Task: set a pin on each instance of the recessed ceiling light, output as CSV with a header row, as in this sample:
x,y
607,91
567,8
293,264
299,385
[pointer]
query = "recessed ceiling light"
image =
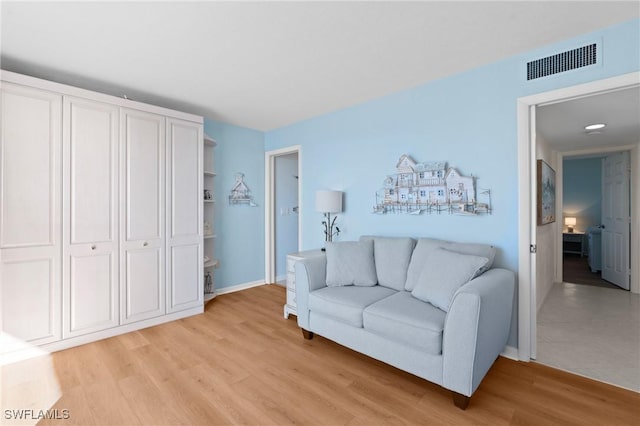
x,y
595,126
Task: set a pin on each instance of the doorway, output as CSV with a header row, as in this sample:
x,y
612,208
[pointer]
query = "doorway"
x,y
285,211
589,201
283,235
585,330
528,251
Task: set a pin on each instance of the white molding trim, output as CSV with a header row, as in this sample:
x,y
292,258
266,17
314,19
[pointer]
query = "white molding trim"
x,y
52,86
240,287
635,218
269,201
510,352
526,185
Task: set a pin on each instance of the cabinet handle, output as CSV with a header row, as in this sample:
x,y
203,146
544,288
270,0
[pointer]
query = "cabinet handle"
x,y
145,244
93,247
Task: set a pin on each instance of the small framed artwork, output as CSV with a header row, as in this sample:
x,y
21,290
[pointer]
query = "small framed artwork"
x,y
546,205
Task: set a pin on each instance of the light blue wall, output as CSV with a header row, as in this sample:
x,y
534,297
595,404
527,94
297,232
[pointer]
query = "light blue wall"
x,y
468,120
286,220
582,191
240,229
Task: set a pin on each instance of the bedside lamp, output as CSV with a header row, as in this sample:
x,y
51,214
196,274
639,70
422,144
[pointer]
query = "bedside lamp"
x,y
570,222
328,202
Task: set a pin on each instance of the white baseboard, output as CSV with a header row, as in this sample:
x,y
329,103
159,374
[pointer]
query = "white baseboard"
x,y
239,287
281,278
30,351
510,352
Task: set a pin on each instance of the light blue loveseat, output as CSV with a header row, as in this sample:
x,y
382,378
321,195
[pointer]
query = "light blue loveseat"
x,y
433,308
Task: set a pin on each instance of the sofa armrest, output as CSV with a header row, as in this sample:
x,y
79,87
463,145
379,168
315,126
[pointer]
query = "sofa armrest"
x,y
476,329
311,274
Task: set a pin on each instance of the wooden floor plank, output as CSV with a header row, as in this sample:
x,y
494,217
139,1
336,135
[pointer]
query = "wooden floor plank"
x,y
242,363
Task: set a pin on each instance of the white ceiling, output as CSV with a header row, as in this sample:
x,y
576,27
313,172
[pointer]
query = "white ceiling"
x,y
562,124
264,65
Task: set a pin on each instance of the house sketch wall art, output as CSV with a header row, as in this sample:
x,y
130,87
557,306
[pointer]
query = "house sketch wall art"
x,y
546,205
430,187
240,193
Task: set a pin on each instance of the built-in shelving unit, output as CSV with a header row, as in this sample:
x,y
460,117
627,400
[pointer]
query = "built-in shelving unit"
x,y
210,262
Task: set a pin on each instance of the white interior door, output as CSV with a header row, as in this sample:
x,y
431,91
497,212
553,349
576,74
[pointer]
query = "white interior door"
x,y
142,242
616,219
30,185
90,212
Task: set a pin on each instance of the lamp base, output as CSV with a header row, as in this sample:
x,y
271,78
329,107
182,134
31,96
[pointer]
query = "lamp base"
x,y
570,230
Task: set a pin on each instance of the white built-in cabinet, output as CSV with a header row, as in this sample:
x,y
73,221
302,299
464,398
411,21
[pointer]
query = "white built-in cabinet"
x,y
101,214
142,234
185,217
30,215
90,256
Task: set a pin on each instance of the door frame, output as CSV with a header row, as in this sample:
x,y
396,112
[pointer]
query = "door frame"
x,y
269,208
526,120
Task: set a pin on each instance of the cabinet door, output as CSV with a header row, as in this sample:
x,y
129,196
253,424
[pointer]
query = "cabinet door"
x,y
30,185
184,215
142,243
90,215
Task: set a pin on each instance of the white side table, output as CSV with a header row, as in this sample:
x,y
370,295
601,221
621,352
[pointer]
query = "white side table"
x,y
291,307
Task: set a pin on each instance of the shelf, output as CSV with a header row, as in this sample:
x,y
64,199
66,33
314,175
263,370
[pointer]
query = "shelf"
x,y
208,208
209,141
211,263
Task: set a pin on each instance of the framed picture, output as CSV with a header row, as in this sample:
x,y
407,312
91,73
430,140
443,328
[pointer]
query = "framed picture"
x,y
546,205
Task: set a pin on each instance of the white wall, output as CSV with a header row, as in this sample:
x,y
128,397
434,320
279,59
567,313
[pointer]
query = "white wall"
x,y
546,235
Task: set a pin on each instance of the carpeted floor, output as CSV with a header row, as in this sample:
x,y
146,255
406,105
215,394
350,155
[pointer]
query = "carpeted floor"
x,y
575,270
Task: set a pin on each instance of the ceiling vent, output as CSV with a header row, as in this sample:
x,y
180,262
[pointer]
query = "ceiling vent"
x,y
565,61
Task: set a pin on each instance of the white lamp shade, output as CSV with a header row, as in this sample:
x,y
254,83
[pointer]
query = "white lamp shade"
x,y
570,221
329,201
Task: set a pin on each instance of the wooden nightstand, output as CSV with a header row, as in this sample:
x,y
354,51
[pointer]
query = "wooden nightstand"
x,y
573,243
291,306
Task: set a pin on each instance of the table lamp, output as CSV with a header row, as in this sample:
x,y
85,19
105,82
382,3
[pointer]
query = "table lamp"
x,y
328,202
570,222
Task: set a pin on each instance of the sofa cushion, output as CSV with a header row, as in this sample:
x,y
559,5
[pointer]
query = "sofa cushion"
x,y
426,246
350,262
392,256
443,274
346,303
405,319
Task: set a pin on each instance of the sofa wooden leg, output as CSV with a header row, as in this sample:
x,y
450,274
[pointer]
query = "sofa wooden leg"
x,y
460,401
307,334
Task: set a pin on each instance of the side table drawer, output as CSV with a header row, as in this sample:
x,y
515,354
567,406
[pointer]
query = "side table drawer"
x,y
291,305
572,238
291,281
291,263
291,298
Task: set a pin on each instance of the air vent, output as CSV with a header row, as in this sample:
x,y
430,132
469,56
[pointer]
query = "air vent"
x,y
565,61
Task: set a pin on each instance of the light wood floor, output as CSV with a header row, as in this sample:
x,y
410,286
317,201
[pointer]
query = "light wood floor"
x,y
242,363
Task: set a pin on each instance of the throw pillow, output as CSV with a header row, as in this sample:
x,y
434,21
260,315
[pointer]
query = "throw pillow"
x,y
443,274
391,256
350,263
426,246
